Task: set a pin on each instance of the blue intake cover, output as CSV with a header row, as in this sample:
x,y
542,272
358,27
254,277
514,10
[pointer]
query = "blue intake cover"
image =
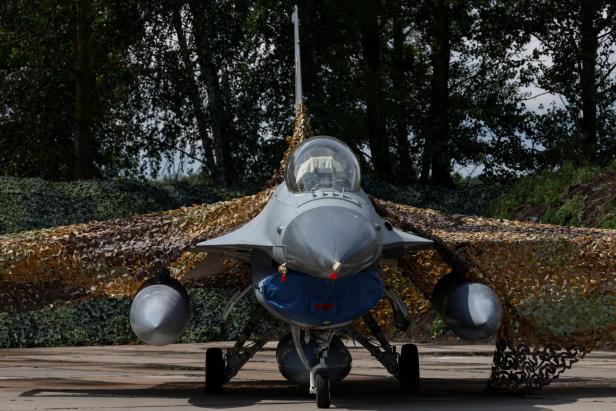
x,y
317,302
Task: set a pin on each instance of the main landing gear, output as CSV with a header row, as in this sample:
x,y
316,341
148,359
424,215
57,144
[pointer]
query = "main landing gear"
x,y
403,365
214,371
220,368
408,364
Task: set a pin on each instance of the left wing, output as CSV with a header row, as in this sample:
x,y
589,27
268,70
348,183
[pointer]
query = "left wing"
x,y
395,238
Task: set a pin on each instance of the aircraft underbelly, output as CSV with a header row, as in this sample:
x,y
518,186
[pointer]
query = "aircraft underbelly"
x,y
313,302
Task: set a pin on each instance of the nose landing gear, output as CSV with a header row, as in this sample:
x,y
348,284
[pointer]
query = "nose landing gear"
x,y
319,374
322,388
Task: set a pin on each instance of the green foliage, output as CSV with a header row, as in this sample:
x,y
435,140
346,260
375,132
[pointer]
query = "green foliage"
x,y
569,213
218,99
470,200
27,204
205,309
544,188
106,321
438,327
563,196
565,315
608,220
37,87
93,322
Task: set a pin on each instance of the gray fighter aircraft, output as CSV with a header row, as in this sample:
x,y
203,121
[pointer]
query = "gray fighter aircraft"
x,y
314,252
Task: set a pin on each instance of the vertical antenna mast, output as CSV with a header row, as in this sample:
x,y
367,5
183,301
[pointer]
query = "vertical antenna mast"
x,y
299,92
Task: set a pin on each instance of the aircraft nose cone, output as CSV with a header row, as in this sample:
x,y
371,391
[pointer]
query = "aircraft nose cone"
x,y
324,238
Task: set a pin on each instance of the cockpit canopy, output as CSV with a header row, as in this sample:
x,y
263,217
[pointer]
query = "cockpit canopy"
x,y
322,163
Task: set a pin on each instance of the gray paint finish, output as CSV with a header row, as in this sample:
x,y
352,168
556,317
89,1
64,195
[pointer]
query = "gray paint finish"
x,y
311,231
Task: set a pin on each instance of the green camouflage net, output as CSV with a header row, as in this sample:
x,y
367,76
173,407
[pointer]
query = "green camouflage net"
x,y
558,284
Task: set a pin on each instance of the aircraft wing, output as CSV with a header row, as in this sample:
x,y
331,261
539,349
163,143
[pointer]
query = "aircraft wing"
x,y
214,263
395,238
236,245
249,237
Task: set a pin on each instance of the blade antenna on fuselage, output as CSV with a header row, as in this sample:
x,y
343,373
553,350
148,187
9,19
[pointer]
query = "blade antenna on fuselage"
x,y
299,92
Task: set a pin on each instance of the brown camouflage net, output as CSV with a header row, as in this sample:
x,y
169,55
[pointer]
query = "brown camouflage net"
x,y
522,370
112,258
558,284
301,131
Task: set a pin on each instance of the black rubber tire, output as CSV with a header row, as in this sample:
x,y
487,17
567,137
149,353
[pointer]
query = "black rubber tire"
x,y
321,381
409,369
214,371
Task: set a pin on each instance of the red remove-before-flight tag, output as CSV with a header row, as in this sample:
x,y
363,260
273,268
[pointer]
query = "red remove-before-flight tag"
x,y
333,276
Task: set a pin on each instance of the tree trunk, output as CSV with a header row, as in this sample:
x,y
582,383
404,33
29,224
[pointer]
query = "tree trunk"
x,y
436,153
209,76
588,81
82,168
406,171
192,88
375,116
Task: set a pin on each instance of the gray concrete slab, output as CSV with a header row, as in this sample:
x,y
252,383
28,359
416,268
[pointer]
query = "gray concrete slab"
x,y
164,378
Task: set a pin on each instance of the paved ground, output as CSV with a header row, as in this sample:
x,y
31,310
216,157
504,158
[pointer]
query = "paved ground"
x,y
139,377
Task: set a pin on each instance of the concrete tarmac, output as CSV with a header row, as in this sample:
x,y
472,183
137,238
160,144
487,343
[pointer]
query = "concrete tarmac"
x,y
171,377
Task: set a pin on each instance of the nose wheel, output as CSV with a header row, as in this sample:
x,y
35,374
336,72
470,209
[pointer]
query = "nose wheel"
x,y
319,374
322,388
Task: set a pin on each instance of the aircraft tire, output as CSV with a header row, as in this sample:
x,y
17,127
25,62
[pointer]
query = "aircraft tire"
x,y
409,369
321,380
214,371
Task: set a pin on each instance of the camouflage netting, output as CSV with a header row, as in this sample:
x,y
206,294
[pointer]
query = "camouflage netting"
x,y
558,284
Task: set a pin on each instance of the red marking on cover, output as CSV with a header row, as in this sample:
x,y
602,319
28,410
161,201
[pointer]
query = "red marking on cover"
x,y
333,276
283,278
324,306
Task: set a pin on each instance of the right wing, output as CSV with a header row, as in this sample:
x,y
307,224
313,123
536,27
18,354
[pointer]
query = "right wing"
x,y
239,244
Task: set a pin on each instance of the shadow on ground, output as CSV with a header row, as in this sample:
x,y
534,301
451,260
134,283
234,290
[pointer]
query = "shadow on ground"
x,y
360,394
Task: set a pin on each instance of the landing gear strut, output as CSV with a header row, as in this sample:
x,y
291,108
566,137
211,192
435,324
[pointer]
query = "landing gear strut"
x,y
319,375
221,368
404,366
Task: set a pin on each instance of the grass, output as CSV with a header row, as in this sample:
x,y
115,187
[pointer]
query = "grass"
x,y
550,197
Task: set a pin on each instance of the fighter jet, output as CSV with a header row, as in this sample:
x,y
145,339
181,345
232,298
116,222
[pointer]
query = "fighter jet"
x,y
315,253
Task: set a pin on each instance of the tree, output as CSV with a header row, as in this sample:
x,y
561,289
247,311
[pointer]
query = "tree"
x,y
436,157
573,49
63,83
192,88
141,87
371,48
401,65
83,81
203,90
